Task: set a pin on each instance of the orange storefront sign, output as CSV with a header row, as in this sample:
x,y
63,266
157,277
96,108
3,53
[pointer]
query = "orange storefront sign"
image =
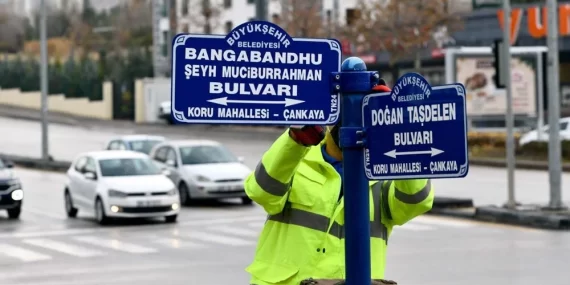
x,y
536,21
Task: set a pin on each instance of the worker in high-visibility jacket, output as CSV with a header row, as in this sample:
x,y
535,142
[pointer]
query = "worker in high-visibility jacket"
x,y
298,183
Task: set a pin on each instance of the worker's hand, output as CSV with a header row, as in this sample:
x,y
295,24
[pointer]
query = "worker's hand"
x,y
307,135
381,86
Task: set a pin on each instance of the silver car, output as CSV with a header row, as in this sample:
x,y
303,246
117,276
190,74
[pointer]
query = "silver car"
x,y
202,169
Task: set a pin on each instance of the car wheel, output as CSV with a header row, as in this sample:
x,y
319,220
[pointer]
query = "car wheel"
x,y
69,209
184,194
169,120
171,219
14,213
246,201
100,215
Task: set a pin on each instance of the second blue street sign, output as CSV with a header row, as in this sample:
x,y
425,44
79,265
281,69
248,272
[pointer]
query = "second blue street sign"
x,y
257,74
416,131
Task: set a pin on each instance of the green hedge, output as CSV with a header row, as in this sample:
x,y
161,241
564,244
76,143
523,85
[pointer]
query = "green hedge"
x,y
540,150
81,78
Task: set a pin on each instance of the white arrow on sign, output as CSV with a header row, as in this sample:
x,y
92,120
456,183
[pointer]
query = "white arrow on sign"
x,y
224,101
432,151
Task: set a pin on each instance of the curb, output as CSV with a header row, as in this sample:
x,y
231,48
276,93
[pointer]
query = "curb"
x,y
36,163
535,218
520,164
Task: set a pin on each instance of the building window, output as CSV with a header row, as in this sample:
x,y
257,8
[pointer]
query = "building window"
x,y
351,16
229,26
166,44
165,8
250,1
185,7
227,4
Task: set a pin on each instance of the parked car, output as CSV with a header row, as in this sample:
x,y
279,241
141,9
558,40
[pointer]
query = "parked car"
x,y
119,184
140,143
164,112
532,136
202,169
11,191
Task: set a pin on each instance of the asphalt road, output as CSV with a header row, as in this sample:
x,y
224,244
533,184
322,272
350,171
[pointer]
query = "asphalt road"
x,y
213,242
484,185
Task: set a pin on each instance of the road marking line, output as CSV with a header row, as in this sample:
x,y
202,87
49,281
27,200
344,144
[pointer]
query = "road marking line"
x,y
178,243
441,222
232,230
22,253
206,237
257,225
114,244
63,247
66,232
44,214
414,227
222,221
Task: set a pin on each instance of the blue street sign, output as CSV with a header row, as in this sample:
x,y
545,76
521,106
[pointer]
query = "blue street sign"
x,y
416,131
257,74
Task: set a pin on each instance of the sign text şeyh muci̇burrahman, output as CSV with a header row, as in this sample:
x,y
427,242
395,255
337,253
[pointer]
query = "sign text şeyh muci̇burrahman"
x,y
242,72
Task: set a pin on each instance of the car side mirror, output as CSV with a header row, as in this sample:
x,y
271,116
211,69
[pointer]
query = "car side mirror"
x,y
171,163
241,159
90,175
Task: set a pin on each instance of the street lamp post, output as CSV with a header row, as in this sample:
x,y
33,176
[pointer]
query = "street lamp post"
x,y
44,80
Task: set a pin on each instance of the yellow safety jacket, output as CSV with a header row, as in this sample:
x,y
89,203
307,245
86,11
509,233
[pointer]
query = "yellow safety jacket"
x,y
304,235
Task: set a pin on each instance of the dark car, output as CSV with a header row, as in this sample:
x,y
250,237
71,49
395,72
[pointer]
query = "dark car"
x,y
11,192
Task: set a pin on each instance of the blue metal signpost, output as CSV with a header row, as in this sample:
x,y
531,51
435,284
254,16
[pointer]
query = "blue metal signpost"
x,y
416,131
255,75
355,83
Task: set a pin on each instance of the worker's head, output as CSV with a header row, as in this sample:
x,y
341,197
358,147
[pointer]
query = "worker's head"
x,y
333,132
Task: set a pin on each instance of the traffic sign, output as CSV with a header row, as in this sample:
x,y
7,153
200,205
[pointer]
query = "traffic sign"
x,y
257,74
416,131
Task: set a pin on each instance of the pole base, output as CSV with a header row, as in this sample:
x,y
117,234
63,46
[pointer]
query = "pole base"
x,y
312,281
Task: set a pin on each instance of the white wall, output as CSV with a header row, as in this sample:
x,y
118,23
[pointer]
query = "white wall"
x,y
149,93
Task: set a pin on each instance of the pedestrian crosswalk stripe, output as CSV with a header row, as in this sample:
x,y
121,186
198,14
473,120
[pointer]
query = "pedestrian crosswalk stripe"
x,y
114,244
234,230
63,247
206,237
441,222
22,253
177,243
257,225
413,227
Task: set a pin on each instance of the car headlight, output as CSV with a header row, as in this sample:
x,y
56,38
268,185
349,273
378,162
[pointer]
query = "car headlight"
x,y
117,194
201,178
172,192
17,195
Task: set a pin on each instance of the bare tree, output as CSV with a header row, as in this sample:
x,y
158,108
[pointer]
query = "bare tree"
x,y
132,25
12,30
204,15
400,27
302,18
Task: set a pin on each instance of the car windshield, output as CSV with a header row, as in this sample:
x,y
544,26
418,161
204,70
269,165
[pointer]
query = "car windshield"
x,y
206,154
143,146
128,167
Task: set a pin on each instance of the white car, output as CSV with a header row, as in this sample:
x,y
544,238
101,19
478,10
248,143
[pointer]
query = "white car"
x,y
532,136
164,112
202,169
119,184
140,143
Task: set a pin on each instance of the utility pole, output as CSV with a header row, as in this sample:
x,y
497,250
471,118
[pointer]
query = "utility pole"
x,y
261,10
44,79
509,119
554,144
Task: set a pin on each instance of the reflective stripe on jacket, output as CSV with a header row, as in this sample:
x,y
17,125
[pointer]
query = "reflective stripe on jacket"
x,y
304,235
